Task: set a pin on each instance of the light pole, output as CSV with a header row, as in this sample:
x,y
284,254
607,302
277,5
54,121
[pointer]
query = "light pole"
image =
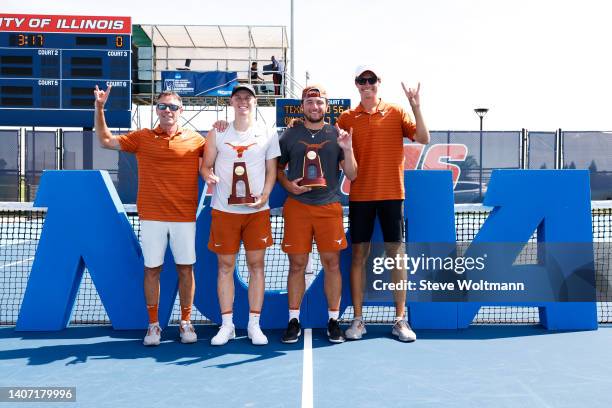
x,y
481,112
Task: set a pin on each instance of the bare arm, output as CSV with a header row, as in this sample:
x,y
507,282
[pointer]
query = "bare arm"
x,y
422,133
349,164
106,138
210,155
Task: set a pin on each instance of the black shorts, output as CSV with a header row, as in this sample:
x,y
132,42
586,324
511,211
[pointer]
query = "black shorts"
x,y
362,215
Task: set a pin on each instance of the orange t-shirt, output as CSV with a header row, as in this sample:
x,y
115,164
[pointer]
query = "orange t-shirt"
x,y
378,146
168,171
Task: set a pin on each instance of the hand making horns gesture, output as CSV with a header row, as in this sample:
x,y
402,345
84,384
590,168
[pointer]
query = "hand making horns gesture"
x,y
413,95
101,96
345,139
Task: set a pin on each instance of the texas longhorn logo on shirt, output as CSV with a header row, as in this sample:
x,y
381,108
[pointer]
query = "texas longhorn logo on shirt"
x,y
240,149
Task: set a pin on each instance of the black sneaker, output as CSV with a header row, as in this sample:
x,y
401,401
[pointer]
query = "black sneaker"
x,y
292,334
334,332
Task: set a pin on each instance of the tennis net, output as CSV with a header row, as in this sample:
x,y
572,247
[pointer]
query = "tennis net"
x,y
21,226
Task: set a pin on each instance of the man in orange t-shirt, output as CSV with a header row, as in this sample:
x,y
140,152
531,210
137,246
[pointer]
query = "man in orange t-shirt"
x,y
168,162
379,129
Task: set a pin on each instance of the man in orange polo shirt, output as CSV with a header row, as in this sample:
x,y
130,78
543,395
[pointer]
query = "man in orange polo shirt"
x,y
379,129
168,162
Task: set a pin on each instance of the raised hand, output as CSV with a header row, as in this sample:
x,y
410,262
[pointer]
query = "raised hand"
x,y
101,96
345,139
413,95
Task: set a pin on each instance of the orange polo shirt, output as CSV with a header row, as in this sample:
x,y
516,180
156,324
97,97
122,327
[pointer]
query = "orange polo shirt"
x,y
378,146
168,171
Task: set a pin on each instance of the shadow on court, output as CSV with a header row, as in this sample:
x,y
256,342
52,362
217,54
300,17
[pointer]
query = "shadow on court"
x,y
81,344
513,366
112,368
77,345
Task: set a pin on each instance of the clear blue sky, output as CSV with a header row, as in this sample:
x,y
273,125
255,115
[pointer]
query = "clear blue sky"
x,y
539,64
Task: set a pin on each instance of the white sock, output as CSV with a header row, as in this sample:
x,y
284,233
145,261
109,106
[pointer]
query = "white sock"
x,y
360,318
227,319
254,319
294,314
333,314
399,318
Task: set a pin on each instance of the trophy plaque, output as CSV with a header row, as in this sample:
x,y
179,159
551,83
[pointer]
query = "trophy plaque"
x,y
312,173
241,193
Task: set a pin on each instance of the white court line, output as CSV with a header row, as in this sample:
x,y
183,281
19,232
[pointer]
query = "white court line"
x,y
307,391
16,263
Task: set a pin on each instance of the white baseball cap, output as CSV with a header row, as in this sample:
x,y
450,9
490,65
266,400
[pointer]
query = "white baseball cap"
x,y
367,67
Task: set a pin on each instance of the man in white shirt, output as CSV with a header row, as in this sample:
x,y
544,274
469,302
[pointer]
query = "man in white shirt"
x,y
241,163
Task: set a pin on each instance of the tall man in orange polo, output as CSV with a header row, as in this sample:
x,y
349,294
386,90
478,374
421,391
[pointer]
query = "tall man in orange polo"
x,y
168,162
379,129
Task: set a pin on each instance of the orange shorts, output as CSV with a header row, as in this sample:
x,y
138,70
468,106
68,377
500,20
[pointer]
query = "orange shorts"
x,y
303,221
228,229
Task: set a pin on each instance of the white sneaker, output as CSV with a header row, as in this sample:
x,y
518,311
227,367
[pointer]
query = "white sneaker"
x,y
153,336
188,334
256,335
402,330
225,334
356,330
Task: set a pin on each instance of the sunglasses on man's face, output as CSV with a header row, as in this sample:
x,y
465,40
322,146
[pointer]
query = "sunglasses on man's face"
x,y
369,80
171,106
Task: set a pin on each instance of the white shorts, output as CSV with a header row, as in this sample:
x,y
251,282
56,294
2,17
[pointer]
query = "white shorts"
x,y
154,240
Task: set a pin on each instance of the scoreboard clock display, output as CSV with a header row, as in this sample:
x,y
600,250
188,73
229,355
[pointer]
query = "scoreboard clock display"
x,y
49,66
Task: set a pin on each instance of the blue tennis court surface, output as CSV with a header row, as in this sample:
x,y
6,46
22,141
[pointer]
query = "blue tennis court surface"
x,y
484,366
113,369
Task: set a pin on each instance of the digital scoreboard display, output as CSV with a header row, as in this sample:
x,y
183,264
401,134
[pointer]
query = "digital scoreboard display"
x,y
50,65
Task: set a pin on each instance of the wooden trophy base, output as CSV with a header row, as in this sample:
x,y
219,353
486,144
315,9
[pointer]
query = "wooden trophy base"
x,y
318,182
241,200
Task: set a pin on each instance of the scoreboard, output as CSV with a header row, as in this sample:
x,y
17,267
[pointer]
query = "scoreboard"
x,y
50,65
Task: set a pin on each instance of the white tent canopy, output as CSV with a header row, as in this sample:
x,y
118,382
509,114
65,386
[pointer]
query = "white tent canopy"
x,y
226,48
